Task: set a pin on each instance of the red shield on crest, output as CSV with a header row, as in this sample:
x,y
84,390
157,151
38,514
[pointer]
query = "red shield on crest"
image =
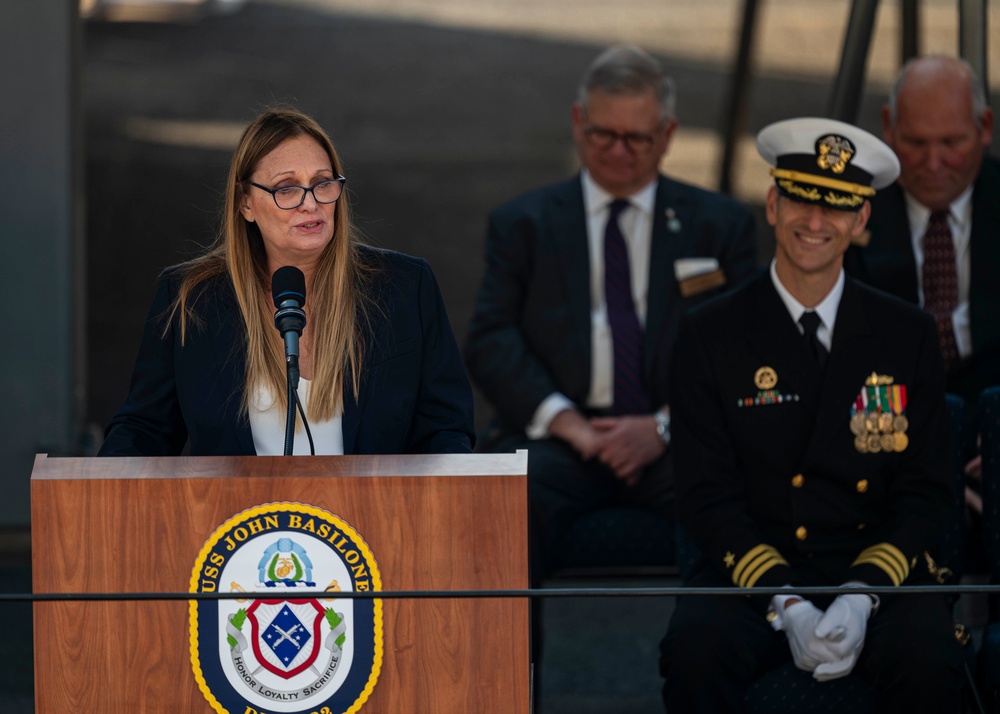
x,y
286,634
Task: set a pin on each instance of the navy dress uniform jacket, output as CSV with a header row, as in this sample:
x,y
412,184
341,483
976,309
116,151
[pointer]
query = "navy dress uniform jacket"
x,y
414,398
773,489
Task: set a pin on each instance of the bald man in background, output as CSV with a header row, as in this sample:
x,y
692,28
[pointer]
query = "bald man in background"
x,y
939,125
934,236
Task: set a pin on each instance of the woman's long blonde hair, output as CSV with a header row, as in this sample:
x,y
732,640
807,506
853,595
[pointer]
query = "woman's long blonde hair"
x,y
339,298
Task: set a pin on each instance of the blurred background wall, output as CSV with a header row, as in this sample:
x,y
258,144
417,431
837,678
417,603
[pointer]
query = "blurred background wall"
x,y
42,358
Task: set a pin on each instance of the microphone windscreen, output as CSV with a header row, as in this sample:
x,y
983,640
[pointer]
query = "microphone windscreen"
x,y
288,283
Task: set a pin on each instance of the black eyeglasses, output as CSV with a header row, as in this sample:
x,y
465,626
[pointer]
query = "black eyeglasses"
x,y
289,197
634,141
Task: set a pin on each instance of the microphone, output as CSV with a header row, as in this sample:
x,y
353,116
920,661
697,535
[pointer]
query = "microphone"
x,y
288,290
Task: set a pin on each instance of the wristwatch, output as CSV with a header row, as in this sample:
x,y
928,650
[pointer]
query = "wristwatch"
x,y
662,418
876,601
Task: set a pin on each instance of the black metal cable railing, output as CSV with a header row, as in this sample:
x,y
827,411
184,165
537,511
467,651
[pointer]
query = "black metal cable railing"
x,y
671,591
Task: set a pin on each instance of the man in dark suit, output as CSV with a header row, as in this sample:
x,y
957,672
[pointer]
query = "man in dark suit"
x,y
577,312
939,125
811,449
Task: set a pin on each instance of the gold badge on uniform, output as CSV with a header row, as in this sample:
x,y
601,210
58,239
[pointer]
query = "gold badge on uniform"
x,y
878,419
765,377
766,381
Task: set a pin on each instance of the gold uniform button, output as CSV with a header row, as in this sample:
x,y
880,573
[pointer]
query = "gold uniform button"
x,y
798,480
801,533
863,486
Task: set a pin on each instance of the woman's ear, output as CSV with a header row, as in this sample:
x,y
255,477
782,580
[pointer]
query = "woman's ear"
x,y
245,209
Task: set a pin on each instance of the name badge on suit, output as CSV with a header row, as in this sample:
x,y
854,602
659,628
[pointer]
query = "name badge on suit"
x,y
696,275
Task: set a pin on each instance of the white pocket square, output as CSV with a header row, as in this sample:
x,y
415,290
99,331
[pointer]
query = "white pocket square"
x,y
685,268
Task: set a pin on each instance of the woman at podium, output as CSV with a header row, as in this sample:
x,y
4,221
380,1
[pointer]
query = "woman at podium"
x,y
379,371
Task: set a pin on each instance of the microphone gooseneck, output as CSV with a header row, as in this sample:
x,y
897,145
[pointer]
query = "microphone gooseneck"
x,y
288,290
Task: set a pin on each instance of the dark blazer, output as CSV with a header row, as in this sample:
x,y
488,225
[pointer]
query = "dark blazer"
x,y
774,491
887,263
530,334
415,396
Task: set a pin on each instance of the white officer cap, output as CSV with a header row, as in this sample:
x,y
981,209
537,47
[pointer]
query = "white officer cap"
x,y
827,162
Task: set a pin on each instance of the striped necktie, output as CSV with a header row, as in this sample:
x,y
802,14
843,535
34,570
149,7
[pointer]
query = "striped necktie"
x,y
626,334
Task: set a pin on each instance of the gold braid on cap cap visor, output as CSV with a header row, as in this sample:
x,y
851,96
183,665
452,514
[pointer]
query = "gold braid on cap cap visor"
x,y
815,180
812,195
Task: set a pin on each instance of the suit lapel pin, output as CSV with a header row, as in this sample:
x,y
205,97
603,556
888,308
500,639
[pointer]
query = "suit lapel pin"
x,y
673,222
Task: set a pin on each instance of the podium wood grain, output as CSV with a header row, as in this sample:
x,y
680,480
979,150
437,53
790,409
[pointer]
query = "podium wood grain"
x,y
132,525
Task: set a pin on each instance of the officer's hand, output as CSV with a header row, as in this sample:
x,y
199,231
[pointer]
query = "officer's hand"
x,y
799,621
826,671
844,624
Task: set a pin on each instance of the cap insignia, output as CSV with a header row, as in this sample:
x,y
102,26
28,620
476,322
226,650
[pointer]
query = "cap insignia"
x,y
833,153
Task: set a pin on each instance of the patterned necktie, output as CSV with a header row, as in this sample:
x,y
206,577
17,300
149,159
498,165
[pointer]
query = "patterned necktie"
x,y
626,334
810,322
940,279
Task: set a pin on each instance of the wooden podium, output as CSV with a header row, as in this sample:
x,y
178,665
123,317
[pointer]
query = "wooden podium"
x,y
138,525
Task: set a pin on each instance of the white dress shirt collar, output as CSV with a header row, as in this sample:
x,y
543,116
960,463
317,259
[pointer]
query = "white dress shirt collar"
x,y
596,198
826,309
959,212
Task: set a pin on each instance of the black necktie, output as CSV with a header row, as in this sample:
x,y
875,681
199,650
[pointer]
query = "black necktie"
x,y
626,333
810,322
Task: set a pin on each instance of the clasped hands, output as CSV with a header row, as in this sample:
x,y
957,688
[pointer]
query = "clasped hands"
x,y
824,643
625,444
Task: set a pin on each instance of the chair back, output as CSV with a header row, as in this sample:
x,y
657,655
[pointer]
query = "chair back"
x,y
952,551
989,430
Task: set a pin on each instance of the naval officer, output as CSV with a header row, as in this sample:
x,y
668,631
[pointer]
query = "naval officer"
x,y
811,449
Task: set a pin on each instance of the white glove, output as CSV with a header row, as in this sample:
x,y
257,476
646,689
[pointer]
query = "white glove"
x,y
826,671
844,624
799,622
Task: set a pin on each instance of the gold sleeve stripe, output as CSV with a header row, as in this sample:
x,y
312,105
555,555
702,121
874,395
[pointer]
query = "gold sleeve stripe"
x,y
824,181
889,558
881,563
893,556
757,561
754,553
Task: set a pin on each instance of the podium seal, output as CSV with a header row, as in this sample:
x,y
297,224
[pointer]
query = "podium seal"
x,y
288,643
